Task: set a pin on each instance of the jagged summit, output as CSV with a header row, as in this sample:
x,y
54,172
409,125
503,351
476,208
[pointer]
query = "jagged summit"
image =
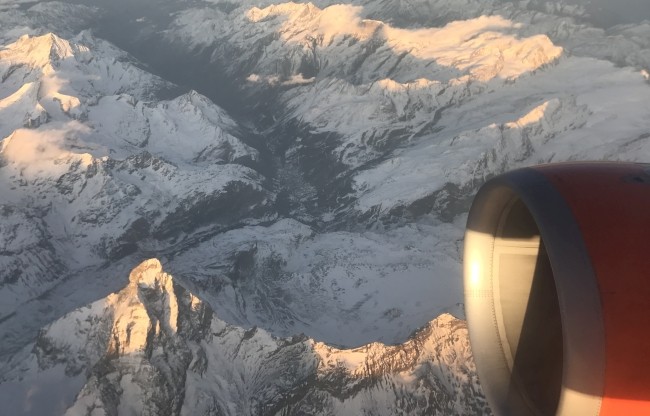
x,y
146,308
150,274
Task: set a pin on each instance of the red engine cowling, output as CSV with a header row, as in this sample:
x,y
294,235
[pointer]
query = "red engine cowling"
x,y
557,290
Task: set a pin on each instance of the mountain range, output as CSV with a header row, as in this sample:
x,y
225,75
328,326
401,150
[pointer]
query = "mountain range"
x,y
225,208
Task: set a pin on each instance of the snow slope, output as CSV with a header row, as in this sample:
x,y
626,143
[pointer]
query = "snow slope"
x,y
340,287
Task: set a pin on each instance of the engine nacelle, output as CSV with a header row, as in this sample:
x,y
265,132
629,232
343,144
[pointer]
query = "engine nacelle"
x,y
557,290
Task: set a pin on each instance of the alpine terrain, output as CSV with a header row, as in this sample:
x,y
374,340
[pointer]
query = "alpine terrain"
x,y
257,208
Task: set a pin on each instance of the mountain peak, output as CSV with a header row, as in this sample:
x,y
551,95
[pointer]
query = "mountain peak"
x,y
147,306
151,307
149,274
40,51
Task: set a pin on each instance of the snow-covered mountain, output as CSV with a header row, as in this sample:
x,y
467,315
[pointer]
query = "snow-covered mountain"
x,y
92,163
396,103
387,115
328,200
154,348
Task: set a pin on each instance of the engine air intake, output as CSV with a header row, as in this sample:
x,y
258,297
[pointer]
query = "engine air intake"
x,y
557,290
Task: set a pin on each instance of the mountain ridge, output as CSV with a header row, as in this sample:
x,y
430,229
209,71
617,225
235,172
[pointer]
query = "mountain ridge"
x,y
155,348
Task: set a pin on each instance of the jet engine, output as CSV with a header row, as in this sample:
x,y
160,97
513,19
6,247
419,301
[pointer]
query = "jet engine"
x,y
557,290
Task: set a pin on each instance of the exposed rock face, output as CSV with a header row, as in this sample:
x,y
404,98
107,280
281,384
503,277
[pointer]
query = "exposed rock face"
x,y
153,348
